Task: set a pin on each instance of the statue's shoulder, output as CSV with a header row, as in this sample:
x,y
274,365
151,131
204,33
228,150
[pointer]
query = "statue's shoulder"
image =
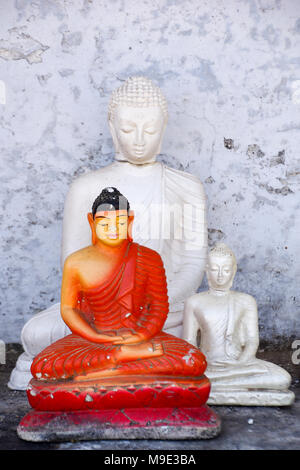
x,y
197,299
243,299
184,181
75,258
148,255
92,177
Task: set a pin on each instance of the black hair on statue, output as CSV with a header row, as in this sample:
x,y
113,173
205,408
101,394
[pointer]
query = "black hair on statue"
x,y
110,199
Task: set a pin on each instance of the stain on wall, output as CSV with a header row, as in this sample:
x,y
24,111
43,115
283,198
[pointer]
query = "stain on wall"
x,y
231,74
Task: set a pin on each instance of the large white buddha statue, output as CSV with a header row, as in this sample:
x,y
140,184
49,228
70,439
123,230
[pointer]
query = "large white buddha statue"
x,y
224,324
174,202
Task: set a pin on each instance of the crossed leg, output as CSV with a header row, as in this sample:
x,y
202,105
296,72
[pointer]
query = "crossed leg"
x,y
126,353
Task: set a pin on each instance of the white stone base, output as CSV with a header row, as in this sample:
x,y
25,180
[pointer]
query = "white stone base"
x,y
251,397
21,375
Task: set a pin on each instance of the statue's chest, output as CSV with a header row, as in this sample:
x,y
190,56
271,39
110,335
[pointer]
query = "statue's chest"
x,y
213,313
214,317
97,272
219,314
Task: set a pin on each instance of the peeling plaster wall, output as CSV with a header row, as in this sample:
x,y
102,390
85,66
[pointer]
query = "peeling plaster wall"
x,y
231,73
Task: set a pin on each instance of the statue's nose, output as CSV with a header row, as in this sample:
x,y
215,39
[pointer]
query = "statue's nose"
x,y
139,138
113,226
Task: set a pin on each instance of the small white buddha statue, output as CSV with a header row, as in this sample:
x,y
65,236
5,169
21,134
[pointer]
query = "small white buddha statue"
x,y
224,324
169,208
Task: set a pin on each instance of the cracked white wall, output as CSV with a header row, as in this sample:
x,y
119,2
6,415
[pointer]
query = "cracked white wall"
x,y
231,73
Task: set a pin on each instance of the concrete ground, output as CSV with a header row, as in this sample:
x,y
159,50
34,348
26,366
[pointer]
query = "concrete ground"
x,y
242,427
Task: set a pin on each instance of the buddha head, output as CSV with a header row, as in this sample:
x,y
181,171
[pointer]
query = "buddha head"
x,y
111,219
137,119
221,267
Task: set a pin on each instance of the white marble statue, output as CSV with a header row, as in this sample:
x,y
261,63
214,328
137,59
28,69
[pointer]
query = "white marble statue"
x,y
175,200
224,324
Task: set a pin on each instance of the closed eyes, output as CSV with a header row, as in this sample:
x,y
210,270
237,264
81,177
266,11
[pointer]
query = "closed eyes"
x,y
126,130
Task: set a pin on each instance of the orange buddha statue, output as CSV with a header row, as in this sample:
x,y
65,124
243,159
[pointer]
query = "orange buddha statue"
x,y
114,300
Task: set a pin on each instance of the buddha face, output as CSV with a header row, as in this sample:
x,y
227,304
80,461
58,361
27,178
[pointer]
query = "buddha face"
x,y
220,271
111,227
137,133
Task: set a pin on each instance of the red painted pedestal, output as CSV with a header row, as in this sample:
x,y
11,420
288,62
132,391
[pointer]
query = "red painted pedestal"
x,y
139,408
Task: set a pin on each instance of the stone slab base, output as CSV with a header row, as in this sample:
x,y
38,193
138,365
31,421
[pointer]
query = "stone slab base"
x,y
132,423
251,398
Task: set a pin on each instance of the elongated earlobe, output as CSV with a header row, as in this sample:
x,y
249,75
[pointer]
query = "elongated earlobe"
x,y
130,224
162,135
114,136
91,222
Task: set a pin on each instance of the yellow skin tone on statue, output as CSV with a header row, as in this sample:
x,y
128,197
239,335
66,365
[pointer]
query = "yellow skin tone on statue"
x,y
87,268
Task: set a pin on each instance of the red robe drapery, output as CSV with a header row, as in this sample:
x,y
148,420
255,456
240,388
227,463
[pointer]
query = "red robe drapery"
x,y
134,298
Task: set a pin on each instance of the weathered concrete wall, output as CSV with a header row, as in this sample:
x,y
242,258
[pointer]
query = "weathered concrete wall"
x,y
231,73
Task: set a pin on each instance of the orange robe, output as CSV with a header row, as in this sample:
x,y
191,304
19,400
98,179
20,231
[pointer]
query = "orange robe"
x,y
134,297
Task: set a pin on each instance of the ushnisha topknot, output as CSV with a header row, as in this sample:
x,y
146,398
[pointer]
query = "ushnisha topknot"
x,y
110,199
138,92
222,250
